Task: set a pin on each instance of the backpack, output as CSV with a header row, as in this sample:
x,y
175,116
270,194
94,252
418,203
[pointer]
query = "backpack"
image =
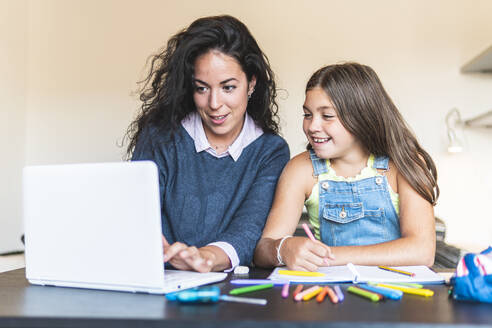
x,y
472,280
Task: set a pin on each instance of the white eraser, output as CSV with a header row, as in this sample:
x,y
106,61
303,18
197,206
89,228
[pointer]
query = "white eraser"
x,y
241,270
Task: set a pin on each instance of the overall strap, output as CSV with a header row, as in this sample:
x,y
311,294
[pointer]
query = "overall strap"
x,y
381,163
319,164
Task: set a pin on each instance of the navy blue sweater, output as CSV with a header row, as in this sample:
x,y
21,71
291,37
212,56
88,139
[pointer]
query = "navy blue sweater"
x,y
206,199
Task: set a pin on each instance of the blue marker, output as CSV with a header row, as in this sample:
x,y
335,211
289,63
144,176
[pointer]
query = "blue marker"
x,y
209,295
392,294
257,282
196,295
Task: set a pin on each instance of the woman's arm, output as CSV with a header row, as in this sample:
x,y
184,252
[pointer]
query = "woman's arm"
x,y
418,237
297,253
203,259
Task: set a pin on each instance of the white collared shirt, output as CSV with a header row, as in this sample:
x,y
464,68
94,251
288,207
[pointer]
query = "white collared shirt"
x,y
249,133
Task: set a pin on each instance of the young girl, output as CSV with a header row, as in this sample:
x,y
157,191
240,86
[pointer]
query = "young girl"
x,y
368,186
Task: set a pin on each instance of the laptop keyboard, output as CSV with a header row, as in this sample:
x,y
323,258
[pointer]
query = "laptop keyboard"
x,y
174,276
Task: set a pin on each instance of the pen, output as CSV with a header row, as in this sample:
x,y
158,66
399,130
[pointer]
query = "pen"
x,y
340,295
242,290
308,232
258,301
382,267
310,295
256,282
300,296
301,273
408,290
321,295
386,292
297,290
285,290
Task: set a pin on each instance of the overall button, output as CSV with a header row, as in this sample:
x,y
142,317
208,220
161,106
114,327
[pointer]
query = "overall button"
x,y
343,214
325,185
379,180
354,189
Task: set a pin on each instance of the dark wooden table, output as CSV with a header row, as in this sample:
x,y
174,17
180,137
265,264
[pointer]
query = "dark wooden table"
x,y
25,305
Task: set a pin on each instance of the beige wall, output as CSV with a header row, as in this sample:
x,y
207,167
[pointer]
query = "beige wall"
x,y
13,72
85,56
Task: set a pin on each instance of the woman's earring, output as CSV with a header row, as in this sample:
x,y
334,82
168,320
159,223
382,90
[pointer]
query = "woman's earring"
x,y
249,94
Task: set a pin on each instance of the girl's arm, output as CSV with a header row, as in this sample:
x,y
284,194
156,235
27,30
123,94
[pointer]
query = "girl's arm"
x,y
298,253
418,236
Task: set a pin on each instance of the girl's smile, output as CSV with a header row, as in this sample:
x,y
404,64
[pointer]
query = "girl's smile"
x,y
324,130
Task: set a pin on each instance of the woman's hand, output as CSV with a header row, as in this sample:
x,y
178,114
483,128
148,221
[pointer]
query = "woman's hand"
x,y
301,253
184,257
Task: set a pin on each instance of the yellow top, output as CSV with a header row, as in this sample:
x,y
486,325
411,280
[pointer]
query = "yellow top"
x,y
312,203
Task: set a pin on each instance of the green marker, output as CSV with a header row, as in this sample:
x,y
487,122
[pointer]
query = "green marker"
x,y
243,290
407,284
364,293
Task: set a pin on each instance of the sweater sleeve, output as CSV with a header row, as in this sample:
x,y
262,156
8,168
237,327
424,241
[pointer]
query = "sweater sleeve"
x,y
246,226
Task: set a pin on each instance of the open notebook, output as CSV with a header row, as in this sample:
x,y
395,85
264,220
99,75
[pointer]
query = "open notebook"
x,y
362,273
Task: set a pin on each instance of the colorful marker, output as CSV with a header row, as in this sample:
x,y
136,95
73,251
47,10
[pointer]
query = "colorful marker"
x,y
408,290
285,290
258,301
392,294
301,273
321,295
308,232
243,290
301,295
407,284
256,282
312,294
297,290
332,295
364,293
340,295
382,267
311,236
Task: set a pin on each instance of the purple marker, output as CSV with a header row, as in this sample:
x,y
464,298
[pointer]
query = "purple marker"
x,y
339,293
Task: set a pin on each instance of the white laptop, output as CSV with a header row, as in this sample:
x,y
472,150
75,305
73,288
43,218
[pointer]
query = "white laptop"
x,y
99,226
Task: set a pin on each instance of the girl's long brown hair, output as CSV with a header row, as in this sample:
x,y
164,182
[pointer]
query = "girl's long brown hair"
x,y
369,114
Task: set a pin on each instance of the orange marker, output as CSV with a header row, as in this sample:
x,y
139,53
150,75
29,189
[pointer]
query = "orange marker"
x,y
331,294
321,296
297,290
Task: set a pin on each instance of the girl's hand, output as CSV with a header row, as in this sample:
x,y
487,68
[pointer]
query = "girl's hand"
x,y
301,253
184,257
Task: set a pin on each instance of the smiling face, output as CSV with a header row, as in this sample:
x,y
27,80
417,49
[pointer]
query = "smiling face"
x,y
325,132
221,96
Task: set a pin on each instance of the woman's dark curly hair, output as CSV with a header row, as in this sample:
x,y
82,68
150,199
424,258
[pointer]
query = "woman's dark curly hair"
x,y
167,92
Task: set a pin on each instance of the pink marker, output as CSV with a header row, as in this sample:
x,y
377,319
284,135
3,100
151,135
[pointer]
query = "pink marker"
x,y
304,292
310,235
285,290
308,232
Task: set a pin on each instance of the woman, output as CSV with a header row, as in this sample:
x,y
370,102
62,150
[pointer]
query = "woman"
x,y
209,121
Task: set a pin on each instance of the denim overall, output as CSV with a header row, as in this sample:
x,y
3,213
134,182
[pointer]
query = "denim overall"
x,y
358,212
